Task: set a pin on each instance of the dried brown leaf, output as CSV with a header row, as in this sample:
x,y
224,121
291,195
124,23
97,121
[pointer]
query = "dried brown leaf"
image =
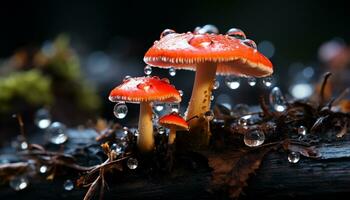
x,y
343,131
10,169
232,169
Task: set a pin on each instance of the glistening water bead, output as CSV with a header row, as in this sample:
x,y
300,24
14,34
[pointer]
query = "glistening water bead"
x,y
132,163
161,130
293,157
302,130
172,71
57,133
236,33
147,70
216,84
267,81
251,81
232,82
43,169
23,145
166,32
254,138
125,130
277,100
19,183
120,110
158,106
42,118
68,185
207,29
250,43
174,107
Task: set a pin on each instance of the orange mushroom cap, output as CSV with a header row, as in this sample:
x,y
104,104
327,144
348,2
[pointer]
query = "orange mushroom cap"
x,y
185,50
145,89
173,120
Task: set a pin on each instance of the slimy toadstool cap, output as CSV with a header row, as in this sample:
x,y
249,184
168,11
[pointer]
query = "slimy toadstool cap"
x,y
145,89
173,120
233,55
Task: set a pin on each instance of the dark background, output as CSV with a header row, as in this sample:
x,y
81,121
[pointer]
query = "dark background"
x,y
124,30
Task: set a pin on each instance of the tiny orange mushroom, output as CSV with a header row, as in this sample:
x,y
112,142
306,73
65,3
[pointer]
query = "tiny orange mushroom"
x,y
174,122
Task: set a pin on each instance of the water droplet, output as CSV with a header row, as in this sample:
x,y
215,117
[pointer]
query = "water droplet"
x,y
42,118
68,185
147,70
212,97
161,130
132,163
242,121
60,139
126,78
267,81
181,92
293,157
250,43
251,81
172,71
195,30
174,107
118,149
24,145
57,133
216,84
236,33
19,183
166,32
254,138
125,130
208,29
120,110
209,115
302,130
232,82
136,133
43,169
158,107
277,100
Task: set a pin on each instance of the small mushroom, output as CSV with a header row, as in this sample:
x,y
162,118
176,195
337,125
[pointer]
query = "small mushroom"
x,y
208,54
145,90
174,122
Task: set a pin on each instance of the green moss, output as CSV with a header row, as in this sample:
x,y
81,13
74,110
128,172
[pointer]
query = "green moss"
x,y
64,63
25,86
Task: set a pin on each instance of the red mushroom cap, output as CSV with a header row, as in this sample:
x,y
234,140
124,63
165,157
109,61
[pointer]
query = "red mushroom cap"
x,y
145,89
173,120
185,50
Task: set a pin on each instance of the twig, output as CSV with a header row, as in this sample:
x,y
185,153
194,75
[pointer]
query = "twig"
x,y
323,86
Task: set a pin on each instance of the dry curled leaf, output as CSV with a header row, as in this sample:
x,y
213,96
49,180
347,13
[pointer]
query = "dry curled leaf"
x,y
232,169
310,152
343,131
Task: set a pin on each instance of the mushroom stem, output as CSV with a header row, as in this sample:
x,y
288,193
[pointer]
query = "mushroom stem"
x,y
145,141
200,99
172,136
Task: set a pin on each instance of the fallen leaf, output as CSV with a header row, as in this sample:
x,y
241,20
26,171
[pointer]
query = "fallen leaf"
x,y
232,169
